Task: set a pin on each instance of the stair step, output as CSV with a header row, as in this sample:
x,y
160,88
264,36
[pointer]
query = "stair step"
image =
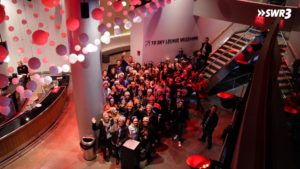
x,y
232,47
235,39
226,53
284,84
284,78
235,44
218,60
209,69
213,64
207,75
221,56
244,38
282,72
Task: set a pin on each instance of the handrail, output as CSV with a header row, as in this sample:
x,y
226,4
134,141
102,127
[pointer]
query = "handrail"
x,y
231,45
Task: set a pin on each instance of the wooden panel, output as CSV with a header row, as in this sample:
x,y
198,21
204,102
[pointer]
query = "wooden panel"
x,y
30,131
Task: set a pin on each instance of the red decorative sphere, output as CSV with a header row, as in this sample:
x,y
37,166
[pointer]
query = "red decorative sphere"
x,y
72,24
50,3
97,13
40,37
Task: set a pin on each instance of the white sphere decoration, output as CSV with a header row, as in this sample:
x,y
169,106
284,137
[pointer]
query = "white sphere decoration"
x,y
97,42
81,58
77,48
137,19
124,3
106,33
105,39
84,50
59,69
48,79
91,48
73,58
65,68
127,25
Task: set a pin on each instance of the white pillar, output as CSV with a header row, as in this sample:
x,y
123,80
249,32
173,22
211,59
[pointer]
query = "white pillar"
x,y
86,76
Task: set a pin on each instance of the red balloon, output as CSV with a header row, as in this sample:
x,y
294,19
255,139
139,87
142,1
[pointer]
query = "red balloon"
x,y
40,37
72,24
118,6
24,21
19,11
34,63
41,25
63,34
28,31
3,53
36,15
50,3
97,13
11,28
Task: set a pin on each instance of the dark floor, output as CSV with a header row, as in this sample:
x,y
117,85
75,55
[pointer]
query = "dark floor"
x,y
59,147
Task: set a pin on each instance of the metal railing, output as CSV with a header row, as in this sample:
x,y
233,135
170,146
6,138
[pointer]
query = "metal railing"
x,y
231,45
284,63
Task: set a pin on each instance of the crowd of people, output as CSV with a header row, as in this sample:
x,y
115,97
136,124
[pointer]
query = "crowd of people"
x,y
147,102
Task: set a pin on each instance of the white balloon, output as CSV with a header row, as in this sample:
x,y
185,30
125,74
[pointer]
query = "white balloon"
x,y
73,58
105,39
91,48
59,69
81,58
137,19
48,79
42,81
127,25
36,77
97,42
77,48
85,51
65,68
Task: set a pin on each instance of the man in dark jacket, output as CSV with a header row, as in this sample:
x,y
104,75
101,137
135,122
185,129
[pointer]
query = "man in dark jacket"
x,y
120,134
104,137
208,124
205,50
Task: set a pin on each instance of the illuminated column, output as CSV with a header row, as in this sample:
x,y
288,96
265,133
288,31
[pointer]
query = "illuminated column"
x,y
86,76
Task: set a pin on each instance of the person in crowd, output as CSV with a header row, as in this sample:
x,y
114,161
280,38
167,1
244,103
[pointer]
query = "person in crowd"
x,y
22,69
180,117
147,139
134,129
208,124
106,90
201,88
181,55
120,134
104,137
205,50
119,67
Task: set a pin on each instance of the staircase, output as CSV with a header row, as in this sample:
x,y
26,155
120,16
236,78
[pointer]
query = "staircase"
x,y
285,75
220,62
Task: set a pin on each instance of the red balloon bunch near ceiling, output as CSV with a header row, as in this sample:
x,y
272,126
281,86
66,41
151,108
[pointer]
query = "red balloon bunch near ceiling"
x,y
2,13
40,37
50,3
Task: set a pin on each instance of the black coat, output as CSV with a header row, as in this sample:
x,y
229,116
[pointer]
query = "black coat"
x,y
208,49
210,122
119,138
102,136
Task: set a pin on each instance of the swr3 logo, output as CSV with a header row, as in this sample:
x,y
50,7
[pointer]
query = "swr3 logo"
x,y
283,13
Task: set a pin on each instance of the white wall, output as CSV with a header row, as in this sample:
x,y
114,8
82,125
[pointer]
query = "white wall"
x,y
175,20
32,23
295,42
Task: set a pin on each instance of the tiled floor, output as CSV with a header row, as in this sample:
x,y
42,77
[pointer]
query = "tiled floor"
x,y
59,147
